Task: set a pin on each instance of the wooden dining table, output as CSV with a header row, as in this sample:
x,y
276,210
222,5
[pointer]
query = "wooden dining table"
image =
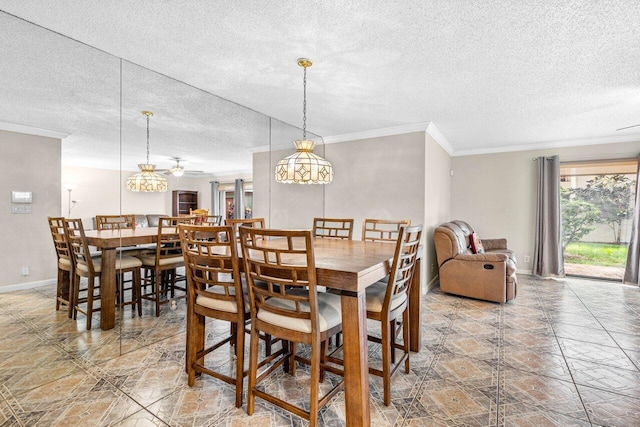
x,y
347,266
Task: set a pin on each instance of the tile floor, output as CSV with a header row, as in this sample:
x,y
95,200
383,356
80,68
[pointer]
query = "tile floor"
x,y
563,353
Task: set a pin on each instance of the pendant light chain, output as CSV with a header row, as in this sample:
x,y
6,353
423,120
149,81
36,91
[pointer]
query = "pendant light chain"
x,y
304,105
147,138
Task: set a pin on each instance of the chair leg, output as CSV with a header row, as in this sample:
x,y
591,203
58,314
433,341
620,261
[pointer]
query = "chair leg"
x,y
90,285
158,284
137,289
386,356
315,378
195,343
253,369
239,341
406,339
392,337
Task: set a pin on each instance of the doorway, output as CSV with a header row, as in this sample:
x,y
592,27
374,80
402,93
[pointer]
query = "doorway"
x,y
597,202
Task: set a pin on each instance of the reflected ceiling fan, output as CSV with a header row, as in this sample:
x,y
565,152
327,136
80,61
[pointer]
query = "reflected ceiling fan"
x,y
178,170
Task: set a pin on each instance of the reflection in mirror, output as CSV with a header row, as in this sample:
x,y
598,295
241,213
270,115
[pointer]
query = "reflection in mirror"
x,y
88,106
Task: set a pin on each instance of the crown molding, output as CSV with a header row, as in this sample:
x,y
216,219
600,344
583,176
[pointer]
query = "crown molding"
x,y
551,144
30,130
377,133
435,133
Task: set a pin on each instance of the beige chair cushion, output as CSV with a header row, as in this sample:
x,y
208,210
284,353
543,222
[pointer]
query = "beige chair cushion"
x,y
150,260
216,304
64,264
123,263
376,294
329,313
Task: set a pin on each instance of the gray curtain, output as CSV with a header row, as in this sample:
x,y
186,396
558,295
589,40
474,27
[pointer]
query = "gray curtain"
x,y
215,198
547,252
238,199
633,256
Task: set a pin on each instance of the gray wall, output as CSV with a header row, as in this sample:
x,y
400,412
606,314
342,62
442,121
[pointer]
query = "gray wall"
x,y
31,163
496,193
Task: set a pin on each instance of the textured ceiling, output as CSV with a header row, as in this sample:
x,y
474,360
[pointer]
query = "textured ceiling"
x,y
491,75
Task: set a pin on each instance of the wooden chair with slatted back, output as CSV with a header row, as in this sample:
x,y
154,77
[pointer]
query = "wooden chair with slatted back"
x,y
90,268
388,303
285,304
213,220
214,290
382,230
64,291
334,228
160,266
247,222
200,214
115,222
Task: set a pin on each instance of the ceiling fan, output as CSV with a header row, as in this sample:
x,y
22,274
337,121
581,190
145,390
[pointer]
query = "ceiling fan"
x,y
178,170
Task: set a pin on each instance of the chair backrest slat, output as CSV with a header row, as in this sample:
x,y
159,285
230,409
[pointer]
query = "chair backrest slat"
x,y
115,222
79,248
211,262
404,262
334,228
56,224
284,271
168,245
382,230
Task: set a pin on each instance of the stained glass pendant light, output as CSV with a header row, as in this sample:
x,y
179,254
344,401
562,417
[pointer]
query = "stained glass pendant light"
x,y
147,180
303,166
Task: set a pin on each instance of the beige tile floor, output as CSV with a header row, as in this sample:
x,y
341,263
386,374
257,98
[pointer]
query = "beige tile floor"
x,y
563,353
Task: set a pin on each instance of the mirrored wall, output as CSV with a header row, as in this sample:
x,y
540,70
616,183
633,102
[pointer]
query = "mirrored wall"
x,y
92,102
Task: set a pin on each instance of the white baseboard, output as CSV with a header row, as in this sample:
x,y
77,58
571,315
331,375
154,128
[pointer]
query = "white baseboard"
x,y
432,284
527,272
27,285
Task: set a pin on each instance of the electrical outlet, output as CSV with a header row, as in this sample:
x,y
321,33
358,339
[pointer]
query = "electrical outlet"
x,y
25,271
527,258
433,267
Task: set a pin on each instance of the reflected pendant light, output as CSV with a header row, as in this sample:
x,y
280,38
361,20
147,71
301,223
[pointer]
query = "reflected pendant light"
x,y
303,166
147,180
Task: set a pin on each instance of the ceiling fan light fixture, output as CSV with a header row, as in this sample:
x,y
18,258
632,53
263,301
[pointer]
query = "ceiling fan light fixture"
x,y
147,180
303,166
177,171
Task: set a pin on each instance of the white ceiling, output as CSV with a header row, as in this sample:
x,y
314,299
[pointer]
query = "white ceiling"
x,y
491,75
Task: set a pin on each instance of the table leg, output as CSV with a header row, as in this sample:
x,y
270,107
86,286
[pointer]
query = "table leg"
x,y
108,289
415,337
356,367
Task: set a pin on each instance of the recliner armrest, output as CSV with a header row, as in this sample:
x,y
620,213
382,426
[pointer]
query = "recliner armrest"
x,y
482,257
491,244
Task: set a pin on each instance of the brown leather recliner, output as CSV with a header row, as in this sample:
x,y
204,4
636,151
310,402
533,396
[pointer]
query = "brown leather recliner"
x,y
489,276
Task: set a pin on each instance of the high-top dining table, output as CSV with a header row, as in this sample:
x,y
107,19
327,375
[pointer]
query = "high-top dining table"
x,y
348,266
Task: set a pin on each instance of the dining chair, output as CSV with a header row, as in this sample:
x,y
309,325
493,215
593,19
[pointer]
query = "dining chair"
x,y
160,267
90,268
65,264
246,222
200,214
382,230
213,220
214,291
281,279
335,228
115,222
388,304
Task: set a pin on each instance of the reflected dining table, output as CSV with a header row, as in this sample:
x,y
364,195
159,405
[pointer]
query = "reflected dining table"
x,y
346,266
108,241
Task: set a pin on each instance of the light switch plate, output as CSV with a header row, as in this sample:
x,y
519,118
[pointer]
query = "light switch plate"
x,y
21,209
